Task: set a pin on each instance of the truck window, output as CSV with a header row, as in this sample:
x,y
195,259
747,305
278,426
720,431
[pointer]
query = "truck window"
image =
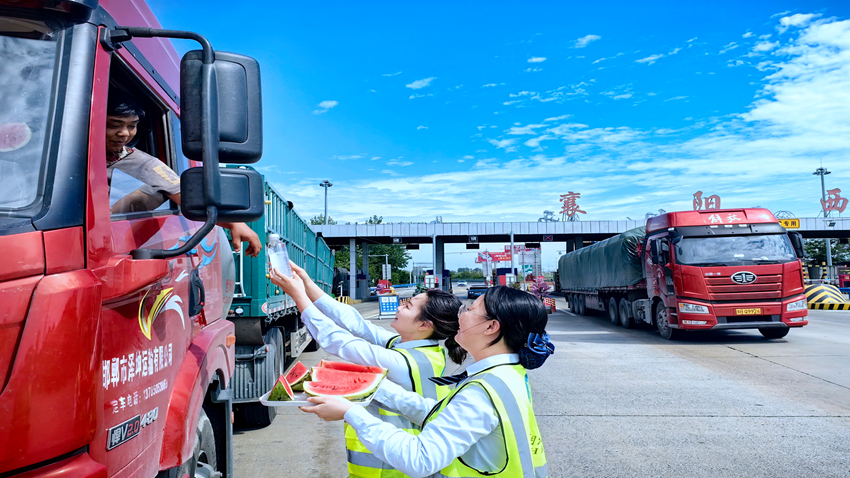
x,y
735,250
135,187
28,50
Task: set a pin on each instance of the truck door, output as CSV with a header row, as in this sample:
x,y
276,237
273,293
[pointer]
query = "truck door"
x,y
147,322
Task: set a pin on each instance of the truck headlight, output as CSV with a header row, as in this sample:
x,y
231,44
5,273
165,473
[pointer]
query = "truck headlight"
x,y
692,308
796,305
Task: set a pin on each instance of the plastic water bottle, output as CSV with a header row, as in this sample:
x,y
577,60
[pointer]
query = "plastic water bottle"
x,y
278,257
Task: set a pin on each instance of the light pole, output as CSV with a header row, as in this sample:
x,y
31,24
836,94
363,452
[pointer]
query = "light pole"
x,y
823,172
326,184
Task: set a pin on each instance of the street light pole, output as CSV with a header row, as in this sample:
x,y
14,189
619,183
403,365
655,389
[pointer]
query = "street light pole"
x,y
823,172
326,184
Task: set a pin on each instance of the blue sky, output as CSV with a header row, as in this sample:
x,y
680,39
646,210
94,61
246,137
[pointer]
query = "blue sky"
x,y
489,111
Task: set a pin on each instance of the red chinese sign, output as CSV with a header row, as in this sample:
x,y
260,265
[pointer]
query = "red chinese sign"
x,y
571,207
834,201
711,202
494,256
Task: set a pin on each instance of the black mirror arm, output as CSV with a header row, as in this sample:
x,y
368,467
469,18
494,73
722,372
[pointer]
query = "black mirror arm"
x,y
209,224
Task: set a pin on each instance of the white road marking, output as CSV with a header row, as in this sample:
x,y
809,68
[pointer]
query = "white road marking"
x,y
592,332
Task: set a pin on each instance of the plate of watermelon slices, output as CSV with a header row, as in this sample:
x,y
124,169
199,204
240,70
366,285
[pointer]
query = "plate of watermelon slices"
x,y
356,383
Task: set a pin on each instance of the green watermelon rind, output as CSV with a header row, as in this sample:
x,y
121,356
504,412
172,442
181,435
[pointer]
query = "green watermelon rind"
x,y
281,392
311,388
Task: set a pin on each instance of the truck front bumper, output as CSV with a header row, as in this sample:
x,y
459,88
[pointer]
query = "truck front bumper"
x,y
741,316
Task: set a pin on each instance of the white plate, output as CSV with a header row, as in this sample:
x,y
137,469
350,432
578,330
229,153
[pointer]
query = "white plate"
x,y
300,400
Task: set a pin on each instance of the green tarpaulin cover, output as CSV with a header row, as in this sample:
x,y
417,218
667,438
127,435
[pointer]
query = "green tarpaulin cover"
x,y
614,262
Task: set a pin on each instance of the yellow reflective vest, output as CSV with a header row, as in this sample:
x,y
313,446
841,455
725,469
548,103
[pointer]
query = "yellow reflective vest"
x,y
423,362
507,387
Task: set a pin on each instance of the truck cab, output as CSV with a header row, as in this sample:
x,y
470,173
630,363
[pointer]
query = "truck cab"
x,y
115,353
722,269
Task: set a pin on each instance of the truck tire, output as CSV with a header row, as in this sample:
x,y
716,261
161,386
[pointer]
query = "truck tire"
x,y
625,313
581,305
774,332
613,312
203,461
571,302
663,325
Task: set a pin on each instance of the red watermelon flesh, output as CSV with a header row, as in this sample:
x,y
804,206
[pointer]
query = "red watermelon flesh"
x,y
351,367
297,374
281,391
350,385
14,136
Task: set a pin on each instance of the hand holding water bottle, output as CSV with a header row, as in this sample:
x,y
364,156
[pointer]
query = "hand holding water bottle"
x,y
278,257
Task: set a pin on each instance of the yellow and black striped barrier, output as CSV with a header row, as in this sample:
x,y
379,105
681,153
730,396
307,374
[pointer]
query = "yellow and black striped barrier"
x,y
345,300
825,297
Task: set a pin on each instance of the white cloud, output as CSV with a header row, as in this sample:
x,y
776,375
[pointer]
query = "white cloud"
x,y
607,58
747,35
419,84
676,98
527,129
797,20
490,85
623,96
375,158
765,46
556,118
731,46
392,74
586,40
421,127
420,96
532,70
506,144
400,164
537,59
650,59
324,106
347,157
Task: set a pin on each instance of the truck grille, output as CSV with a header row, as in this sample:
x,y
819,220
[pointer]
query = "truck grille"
x,y
765,287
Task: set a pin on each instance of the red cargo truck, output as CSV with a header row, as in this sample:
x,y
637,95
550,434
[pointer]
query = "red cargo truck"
x,y
115,354
693,271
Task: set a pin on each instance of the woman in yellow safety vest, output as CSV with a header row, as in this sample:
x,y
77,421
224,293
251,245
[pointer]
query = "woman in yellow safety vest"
x,y
486,426
411,356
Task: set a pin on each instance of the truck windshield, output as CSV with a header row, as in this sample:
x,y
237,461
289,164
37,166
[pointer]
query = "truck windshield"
x,y
27,57
735,250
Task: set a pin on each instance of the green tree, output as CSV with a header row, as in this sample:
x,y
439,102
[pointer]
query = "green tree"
x,y
816,250
319,220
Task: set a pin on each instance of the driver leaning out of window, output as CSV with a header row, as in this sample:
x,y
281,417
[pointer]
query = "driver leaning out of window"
x,y
160,182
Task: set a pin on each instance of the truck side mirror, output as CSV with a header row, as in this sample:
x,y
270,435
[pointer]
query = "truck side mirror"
x,y
240,117
242,196
797,242
665,253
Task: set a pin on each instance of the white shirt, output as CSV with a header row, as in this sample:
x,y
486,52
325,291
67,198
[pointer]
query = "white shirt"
x,y
350,319
344,344
468,428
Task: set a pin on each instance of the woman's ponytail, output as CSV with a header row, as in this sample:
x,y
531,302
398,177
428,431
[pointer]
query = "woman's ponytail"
x,y
441,310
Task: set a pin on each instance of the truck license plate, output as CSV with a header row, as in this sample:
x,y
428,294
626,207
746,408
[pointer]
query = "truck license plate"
x,y
756,311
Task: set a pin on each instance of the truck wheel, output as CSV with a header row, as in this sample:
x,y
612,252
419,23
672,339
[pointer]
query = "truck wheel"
x,y
571,301
613,314
202,463
581,305
625,314
774,332
664,328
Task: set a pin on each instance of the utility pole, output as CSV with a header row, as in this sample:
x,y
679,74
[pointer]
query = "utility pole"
x,y
821,171
326,184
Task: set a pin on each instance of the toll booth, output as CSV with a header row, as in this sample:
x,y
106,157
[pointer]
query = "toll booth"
x,y
844,277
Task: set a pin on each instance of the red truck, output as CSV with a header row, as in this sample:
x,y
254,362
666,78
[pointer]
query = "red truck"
x,y
115,353
693,271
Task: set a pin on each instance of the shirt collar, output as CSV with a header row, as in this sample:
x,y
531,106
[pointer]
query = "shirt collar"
x,y
500,359
415,343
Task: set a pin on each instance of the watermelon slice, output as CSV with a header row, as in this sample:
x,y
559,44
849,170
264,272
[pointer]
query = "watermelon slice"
x,y
297,374
352,367
281,391
351,385
14,136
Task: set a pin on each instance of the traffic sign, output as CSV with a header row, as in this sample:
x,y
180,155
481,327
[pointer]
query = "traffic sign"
x,y
387,271
790,223
527,269
388,305
548,238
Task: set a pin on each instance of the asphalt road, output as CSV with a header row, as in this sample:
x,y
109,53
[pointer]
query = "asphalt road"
x,y
613,403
